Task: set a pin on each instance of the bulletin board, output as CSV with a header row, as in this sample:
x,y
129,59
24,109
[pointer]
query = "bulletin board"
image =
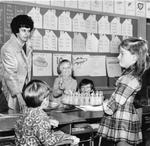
x,y
10,9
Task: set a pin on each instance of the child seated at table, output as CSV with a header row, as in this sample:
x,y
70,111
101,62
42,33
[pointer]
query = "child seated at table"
x,y
34,126
86,86
65,82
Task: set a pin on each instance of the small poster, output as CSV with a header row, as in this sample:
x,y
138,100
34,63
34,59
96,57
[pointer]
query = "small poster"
x,y
57,58
42,64
113,67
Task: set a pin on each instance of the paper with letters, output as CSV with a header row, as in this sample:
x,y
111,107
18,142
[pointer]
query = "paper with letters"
x,y
50,20
49,41
37,41
57,58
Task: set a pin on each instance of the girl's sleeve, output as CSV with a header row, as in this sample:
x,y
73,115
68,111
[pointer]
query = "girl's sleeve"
x,y
121,95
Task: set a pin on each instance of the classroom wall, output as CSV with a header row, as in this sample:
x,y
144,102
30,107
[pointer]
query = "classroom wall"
x,y
10,9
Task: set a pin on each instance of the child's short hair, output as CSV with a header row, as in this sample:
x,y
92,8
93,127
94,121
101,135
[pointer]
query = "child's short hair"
x,y
60,63
84,82
34,91
21,21
140,48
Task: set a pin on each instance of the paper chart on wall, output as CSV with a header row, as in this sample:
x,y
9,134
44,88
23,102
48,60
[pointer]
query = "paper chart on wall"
x,y
57,58
42,64
113,67
37,40
80,65
97,66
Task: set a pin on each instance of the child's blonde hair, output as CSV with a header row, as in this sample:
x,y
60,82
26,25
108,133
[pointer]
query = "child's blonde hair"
x,y
138,47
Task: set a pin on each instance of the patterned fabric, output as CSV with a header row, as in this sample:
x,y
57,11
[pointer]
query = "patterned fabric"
x,y
121,121
33,128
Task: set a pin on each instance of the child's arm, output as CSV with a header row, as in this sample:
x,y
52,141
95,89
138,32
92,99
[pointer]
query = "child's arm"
x,y
56,88
122,93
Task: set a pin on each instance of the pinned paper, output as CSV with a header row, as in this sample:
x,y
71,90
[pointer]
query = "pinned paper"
x,y
64,21
49,41
119,6
130,7
115,26
91,43
114,43
57,58
108,6
147,9
37,40
82,4
71,3
104,44
50,20
78,43
140,8
104,25
80,65
127,27
59,3
97,5
113,67
42,64
36,16
91,24
64,42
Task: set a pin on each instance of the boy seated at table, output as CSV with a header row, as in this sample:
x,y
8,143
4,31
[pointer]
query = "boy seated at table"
x,y
34,127
86,86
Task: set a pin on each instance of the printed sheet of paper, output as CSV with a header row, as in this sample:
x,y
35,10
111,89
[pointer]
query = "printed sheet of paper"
x,y
71,3
80,65
36,16
119,6
108,6
64,42
82,4
50,20
104,25
37,40
91,24
64,21
127,27
130,7
91,43
42,64
49,41
113,67
148,9
43,2
140,8
97,66
57,58
78,43
115,41
76,23
115,26
104,44
97,5
59,3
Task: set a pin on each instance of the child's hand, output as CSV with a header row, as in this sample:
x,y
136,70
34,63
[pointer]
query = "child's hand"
x,y
54,122
68,92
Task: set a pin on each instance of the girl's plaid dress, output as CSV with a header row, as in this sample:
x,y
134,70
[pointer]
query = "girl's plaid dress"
x,y
121,122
